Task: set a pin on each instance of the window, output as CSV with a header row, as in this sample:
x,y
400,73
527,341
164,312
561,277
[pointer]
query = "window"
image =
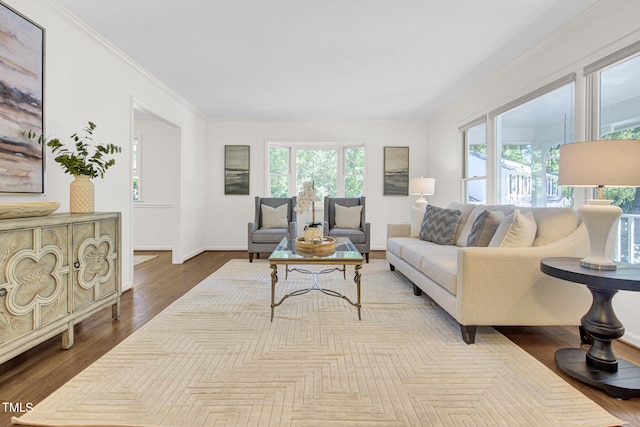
x,y
616,81
279,171
475,162
135,159
319,165
528,135
353,171
336,169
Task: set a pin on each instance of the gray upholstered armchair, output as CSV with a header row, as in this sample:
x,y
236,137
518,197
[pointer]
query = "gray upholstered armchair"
x,y
272,223
351,223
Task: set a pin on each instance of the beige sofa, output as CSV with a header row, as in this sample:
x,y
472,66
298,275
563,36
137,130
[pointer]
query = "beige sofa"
x,y
495,286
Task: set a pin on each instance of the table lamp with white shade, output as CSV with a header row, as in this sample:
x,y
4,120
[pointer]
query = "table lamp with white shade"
x,y
422,187
611,163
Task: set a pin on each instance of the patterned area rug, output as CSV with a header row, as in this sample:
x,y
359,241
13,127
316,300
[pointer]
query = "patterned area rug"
x,y
214,358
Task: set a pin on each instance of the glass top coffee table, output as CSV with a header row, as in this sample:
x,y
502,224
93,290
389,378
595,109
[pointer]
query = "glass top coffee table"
x,y
287,254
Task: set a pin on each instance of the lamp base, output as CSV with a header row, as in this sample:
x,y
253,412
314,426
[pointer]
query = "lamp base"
x,y
421,202
599,217
598,265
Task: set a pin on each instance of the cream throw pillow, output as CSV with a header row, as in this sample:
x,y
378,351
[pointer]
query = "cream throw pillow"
x,y
416,214
348,217
275,217
516,230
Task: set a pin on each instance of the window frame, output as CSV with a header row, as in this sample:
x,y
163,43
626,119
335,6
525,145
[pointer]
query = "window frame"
x,y
293,145
136,166
495,182
593,76
466,179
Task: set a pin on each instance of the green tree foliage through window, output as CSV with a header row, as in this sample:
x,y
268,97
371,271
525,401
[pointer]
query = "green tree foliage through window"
x,y
337,170
279,171
354,172
319,166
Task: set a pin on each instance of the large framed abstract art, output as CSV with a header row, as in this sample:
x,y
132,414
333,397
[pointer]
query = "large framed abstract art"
x,y
21,103
236,169
396,171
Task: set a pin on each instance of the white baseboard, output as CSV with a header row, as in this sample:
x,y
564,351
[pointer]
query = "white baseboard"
x,y
631,339
192,254
153,248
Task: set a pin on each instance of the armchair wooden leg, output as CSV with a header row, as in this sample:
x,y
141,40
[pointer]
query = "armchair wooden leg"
x,y
250,256
367,257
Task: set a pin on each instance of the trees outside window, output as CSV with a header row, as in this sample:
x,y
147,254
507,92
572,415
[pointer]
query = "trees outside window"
x,y
336,169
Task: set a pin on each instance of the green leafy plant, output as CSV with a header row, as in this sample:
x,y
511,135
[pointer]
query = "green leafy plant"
x,y
86,158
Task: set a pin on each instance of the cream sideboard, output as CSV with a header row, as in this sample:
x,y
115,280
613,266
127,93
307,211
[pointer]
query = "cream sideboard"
x,y
55,271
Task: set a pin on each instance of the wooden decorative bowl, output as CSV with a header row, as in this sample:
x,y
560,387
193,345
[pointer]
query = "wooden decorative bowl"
x,y
27,209
325,247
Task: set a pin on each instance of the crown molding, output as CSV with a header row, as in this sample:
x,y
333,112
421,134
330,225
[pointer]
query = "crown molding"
x,y
74,20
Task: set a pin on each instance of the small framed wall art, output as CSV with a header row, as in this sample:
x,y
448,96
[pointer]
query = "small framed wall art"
x,y
236,169
21,107
396,171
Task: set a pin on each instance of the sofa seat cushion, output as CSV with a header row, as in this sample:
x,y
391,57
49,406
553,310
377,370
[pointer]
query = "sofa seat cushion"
x,y
395,244
356,235
414,253
443,270
269,235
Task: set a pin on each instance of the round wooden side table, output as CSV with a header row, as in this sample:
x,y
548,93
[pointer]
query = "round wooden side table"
x,y
599,366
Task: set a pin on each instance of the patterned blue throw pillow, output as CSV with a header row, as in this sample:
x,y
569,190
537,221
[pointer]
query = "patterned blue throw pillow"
x,y
439,225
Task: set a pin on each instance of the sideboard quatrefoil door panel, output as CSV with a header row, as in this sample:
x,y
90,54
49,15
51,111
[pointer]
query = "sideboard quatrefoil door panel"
x,y
34,281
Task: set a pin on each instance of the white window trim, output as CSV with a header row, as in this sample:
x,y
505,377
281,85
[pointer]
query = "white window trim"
x,y
493,180
592,76
138,169
339,145
465,148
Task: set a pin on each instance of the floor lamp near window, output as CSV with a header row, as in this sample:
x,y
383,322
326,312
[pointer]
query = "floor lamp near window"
x,y
611,163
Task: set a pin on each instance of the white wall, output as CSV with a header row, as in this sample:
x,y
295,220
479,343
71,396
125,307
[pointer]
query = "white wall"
x,y
155,215
601,30
86,79
229,215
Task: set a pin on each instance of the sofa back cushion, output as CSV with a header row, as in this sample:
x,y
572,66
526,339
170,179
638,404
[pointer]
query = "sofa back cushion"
x,y
554,224
439,225
468,210
416,214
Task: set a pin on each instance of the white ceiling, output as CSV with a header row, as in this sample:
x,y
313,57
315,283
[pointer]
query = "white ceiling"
x,y
330,59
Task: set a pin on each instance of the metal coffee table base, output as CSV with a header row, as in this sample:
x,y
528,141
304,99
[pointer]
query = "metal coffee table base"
x,y
315,286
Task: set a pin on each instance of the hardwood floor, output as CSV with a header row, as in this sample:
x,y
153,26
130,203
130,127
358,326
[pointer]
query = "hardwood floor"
x,y
35,374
